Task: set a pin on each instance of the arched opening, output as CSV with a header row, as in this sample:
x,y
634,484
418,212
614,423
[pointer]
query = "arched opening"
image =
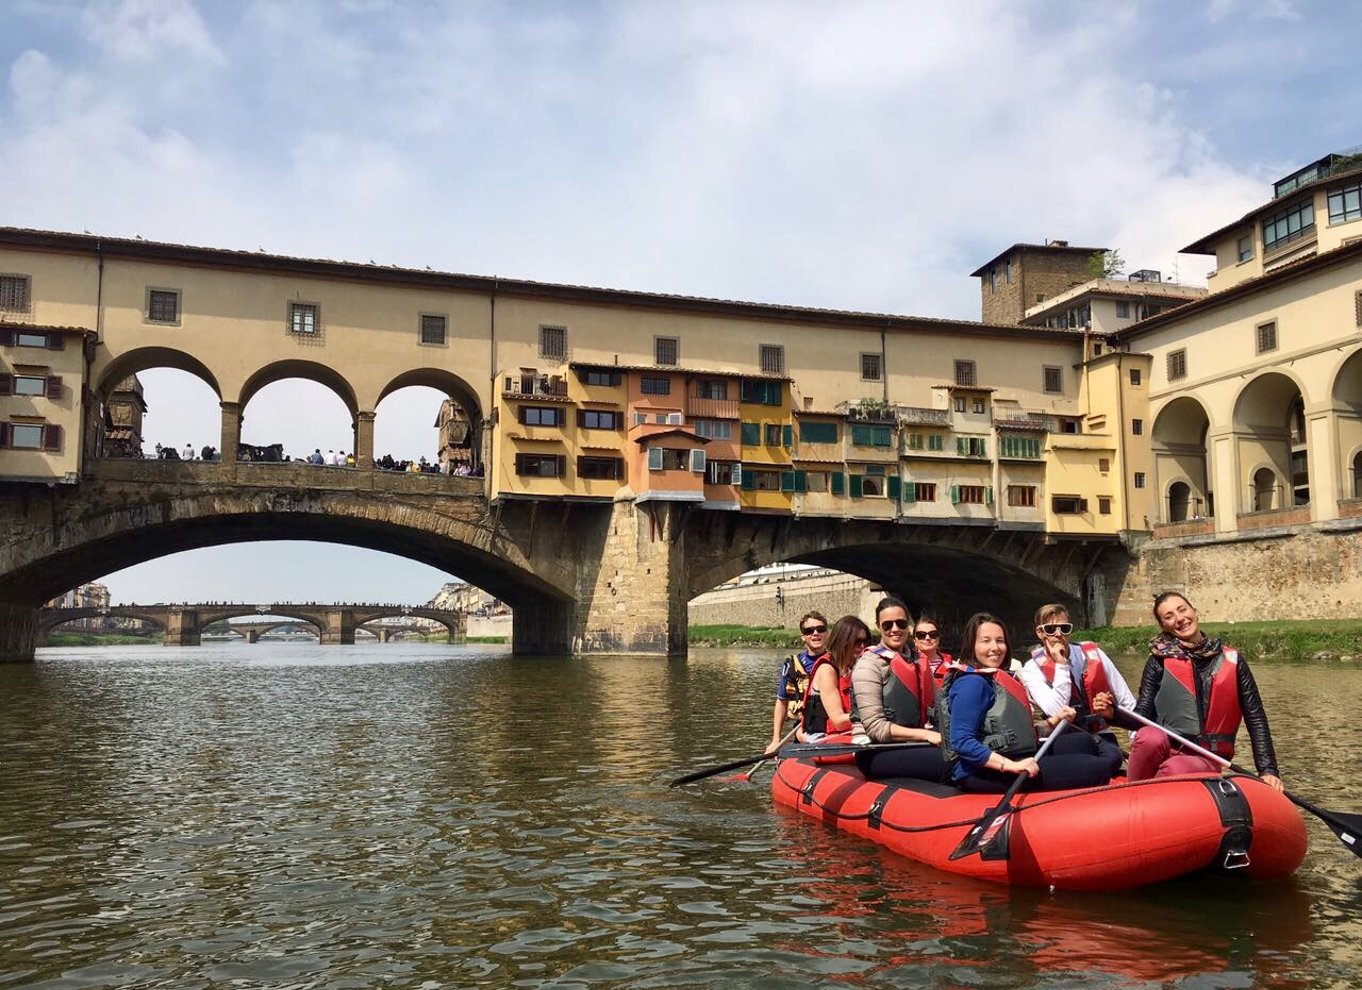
x,y
155,402
298,410
1269,425
1265,490
1347,403
432,416
1357,475
1178,440
1179,501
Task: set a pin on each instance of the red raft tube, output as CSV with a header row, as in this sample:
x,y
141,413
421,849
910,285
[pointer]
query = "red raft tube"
x,y
1116,837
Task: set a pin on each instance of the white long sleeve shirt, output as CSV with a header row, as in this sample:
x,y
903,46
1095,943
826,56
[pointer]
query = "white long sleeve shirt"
x,y
1051,698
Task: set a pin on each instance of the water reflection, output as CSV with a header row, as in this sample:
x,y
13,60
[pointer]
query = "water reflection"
x,y
408,816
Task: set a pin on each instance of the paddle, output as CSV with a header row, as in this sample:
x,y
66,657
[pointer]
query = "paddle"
x,y
986,829
745,778
1347,827
792,751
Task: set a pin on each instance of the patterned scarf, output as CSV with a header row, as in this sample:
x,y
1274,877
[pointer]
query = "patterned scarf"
x,y
1168,645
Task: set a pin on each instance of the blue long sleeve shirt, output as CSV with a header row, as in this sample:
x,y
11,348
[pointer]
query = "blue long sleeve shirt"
x,y
970,699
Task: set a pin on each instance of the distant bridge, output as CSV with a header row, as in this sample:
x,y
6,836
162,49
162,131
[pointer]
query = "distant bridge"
x,y
183,623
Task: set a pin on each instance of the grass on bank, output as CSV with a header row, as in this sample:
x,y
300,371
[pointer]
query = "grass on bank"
x,y
102,639
1315,639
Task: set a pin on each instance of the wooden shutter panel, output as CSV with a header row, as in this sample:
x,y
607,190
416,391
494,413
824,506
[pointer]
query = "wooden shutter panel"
x,y
519,463
51,437
838,482
562,464
749,481
6,384
54,386
955,494
581,418
619,468
910,491
988,496
787,481
788,432
4,435
801,481
857,486
751,434
961,446
697,461
8,334
55,341
895,487
654,458
520,416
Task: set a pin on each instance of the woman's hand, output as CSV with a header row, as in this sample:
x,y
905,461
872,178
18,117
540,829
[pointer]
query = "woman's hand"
x,y
1104,704
1275,782
1028,765
931,736
1065,714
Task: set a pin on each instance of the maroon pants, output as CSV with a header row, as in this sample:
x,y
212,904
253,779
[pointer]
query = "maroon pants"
x,y
1151,755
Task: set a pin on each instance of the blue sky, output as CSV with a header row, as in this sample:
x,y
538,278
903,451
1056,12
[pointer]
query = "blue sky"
x,y
862,155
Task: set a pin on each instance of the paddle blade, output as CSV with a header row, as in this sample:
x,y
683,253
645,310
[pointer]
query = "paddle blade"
x,y
690,778
1347,827
985,831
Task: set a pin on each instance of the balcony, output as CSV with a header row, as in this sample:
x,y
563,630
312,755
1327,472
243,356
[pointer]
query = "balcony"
x,y
1036,422
921,416
534,387
698,408
867,411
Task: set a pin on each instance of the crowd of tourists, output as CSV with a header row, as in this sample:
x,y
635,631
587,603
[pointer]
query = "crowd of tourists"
x,y
332,458
982,717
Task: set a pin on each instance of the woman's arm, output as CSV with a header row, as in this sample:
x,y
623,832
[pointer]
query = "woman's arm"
x,y
867,685
970,699
1144,705
825,682
1255,718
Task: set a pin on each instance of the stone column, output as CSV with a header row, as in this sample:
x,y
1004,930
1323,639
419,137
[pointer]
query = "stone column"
x,y
1325,489
1222,452
338,627
364,441
231,438
252,636
182,628
18,632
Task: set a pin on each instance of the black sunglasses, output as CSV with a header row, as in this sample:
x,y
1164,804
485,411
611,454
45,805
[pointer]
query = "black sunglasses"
x,y
927,634
811,630
1060,628
861,641
888,624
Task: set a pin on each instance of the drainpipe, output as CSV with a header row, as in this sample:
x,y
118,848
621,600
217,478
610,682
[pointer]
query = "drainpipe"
x,y
1121,437
490,461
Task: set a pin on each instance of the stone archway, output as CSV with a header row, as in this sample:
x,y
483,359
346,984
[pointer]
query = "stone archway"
x,y
1269,429
459,422
1179,501
1178,440
1266,491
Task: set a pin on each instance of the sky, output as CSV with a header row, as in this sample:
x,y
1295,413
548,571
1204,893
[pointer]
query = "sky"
x,y
860,155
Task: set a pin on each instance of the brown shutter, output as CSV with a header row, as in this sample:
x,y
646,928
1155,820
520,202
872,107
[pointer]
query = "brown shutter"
x,y
51,437
4,435
561,418
54,386
581,418
55,340
6,384
619,468
520,415
7,337
562,465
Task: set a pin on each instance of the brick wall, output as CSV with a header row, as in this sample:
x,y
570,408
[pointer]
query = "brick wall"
x,y
756,604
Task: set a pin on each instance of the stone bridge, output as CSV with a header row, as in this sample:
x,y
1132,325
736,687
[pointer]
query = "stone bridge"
x,y
580,577
184,624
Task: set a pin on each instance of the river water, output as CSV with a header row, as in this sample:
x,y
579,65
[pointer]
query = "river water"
x,y
291,815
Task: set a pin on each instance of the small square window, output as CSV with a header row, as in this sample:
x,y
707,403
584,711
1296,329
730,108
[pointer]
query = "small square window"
x,y
771,434
303,319
1244,248
1137,427
925,491
666,350
553,343
1135,377
772,359
1139,479
959,403
978,405
1123,310
163,306
433,327
26,436
655,386
1104,464
1054,379
1267,337
1177,364
966,373
1104,505
14,293
871,368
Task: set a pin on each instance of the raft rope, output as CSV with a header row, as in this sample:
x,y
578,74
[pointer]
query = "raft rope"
x,y
876,812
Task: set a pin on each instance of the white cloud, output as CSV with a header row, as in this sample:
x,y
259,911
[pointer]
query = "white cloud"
x,y
146,30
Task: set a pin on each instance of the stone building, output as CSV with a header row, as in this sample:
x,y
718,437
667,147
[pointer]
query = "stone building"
x,y
1027,275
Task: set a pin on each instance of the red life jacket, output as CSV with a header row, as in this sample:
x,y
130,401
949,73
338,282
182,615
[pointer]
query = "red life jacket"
x,y
940,667
1093,682
1008,727
910,692
815,718
1175,702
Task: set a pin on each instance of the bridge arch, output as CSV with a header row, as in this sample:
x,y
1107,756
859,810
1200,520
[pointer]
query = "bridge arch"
x,y
454,388
312,371
145,359
49,621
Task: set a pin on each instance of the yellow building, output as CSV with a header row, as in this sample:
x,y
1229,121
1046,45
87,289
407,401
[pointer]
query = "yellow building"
x,y
42,381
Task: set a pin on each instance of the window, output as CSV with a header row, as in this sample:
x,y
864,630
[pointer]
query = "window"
x,y
14,293
960,403
1290,224
1040,297
751,434
722,473
1177,364
714,429
817,432
1139,479
600,468
666,350
1267,337
872,486
25,436
978,405
866,435
993,279
1135,377
762,481
32,338
1137,427
1104,464
543,416
970,494
1147,310
433,327
915,441
1096,350
302,319
871,369
966,373
1007,271
1243,248
971,446
1022,496
655,386
27,384
1019,446
540,465
163,306
1068,505
935,441
711,388
553,343
1346,203
607,378
771,434
1054,379
668,459
755,391
814,481
772,358
925,491
1123,310
600,419
1068,424
1104,505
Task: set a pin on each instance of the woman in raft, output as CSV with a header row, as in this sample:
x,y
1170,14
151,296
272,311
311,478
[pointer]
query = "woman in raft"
x,y
927,639
827,699
989,730
892,694
1201,689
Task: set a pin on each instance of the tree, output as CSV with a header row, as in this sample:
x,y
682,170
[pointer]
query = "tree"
x,y
1105,264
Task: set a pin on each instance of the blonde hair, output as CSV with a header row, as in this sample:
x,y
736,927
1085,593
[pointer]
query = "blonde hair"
x,y
1047,613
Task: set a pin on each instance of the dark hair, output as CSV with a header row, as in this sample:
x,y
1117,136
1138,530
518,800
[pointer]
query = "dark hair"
x,y
1162,597
811,615
841,644
971,633
890,601
931,620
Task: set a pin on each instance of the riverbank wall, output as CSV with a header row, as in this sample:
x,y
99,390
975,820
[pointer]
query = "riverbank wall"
x,y
778,601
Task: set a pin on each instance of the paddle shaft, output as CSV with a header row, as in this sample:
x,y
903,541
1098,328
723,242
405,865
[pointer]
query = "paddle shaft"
x,y
788,736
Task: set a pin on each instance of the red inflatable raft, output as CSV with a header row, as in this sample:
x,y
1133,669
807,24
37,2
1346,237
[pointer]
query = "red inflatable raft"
x,y
1106,838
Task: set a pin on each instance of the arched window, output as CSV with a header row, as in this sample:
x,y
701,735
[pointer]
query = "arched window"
x,y
1264,490
1357,475
1179,499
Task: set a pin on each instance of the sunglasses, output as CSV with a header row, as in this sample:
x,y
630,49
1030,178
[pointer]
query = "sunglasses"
x,y
888,624
926,634
861,641
1060,628
813,630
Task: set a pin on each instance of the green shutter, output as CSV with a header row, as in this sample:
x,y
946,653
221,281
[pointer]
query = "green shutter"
x,y
749,480
910,491
751,434
955,494
934,442
915,441
883,436
988,496
895,487
983,447
654,458
787,481
801,481
838,482
860,435
857,486
961,446
788,433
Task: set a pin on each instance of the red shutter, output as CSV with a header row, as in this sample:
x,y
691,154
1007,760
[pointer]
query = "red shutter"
x,y
6,384
55,340
54,386
51,437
